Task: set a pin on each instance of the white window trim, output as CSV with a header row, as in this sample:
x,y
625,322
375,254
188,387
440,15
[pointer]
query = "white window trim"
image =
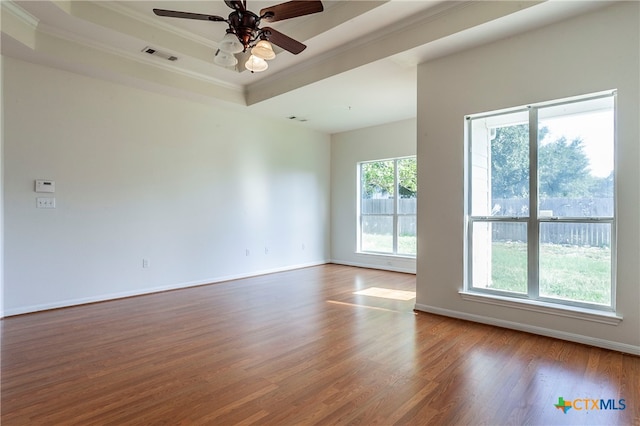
x,y
567,311
395,215
572,309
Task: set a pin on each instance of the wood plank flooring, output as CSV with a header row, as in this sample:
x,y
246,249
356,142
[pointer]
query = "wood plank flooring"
x,y
297,348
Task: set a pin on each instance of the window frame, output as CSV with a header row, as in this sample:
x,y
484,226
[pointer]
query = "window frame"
x,y
395,215
534,220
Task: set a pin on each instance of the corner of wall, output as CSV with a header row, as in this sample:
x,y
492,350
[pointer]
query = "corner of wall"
x,y
1,193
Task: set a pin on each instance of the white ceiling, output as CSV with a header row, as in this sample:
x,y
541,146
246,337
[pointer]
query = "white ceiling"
x,y
359,68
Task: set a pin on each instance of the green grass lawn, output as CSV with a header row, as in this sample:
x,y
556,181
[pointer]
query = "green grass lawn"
x,y
567,272
407,244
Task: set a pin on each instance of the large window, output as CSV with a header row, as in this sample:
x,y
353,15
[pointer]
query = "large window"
x,y
388,195
540,202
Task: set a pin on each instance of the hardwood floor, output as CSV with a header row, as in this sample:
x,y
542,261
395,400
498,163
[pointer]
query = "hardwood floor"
x,y
297,348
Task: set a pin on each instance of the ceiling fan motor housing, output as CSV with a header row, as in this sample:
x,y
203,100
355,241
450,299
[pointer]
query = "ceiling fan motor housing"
x,y
244,25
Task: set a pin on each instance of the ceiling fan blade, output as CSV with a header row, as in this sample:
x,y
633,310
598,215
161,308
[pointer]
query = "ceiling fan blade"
x,y
284,41
290,9
236,4
188,15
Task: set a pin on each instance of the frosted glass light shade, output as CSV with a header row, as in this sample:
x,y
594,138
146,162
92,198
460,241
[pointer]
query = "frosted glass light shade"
x,y
230,44
263,50
225,59
255,64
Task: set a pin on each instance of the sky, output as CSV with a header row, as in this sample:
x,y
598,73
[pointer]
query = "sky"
x,y
596,129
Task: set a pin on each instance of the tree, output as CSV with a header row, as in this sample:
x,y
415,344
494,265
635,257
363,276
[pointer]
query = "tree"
x,y
563,166
407,177
563,169
602,186
510,162
378,178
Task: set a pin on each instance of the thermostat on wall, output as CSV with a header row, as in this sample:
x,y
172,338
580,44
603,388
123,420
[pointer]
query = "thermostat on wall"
x,y
45,186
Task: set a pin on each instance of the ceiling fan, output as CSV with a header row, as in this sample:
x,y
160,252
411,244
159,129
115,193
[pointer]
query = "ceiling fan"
x,y
244,30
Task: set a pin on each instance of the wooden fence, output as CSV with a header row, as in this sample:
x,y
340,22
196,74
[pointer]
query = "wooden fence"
x,y
583,234
377,220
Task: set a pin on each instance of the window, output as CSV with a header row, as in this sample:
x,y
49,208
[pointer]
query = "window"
x,y
540,202
388,196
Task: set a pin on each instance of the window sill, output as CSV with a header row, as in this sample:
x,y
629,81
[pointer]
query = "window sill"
x,y
394,256
603,317
375,253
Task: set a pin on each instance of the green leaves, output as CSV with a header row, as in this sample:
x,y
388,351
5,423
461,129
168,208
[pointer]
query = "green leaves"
x,y
563,166
510,162
378,178
408,177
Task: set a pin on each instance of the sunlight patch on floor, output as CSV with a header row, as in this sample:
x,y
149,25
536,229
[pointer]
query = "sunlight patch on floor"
x,y
387,293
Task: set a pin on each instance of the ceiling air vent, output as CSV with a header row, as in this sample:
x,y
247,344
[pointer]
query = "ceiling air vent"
x,y
160,54
301,119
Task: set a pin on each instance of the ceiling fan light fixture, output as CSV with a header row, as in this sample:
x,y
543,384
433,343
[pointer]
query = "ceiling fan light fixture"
x,y
263,50
225,59
230,44
244,30
256,64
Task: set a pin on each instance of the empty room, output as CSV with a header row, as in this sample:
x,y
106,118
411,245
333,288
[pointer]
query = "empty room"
x,y
320,212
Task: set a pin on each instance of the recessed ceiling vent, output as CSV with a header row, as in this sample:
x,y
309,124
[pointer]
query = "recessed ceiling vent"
x,y
160,54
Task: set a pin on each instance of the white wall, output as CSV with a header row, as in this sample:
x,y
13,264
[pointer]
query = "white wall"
x,y
347,150
590,53
141,175
1,192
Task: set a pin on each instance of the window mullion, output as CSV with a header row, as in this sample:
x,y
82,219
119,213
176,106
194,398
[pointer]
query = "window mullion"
x,y
396,202
533,234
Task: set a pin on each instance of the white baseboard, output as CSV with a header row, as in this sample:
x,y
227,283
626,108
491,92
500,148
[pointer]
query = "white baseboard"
x,y
375,266
150,290
572,337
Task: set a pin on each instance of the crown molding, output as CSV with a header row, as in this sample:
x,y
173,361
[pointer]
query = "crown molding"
x,y
159,24
8,6
50,31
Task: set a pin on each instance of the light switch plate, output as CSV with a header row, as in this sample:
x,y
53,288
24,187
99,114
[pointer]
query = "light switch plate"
x,y
46,203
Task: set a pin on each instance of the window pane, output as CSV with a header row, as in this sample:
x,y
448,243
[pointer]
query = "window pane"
x,y
408,205
377,234
388,200
407,186
377,187
575,159
575,261
500,165
499,258
407,235
376,205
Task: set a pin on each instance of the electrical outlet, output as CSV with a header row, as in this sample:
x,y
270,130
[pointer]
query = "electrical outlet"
x,y
145,263
46,203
